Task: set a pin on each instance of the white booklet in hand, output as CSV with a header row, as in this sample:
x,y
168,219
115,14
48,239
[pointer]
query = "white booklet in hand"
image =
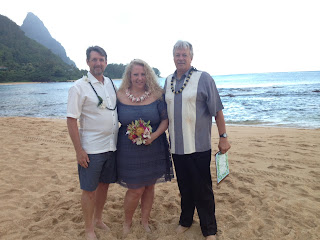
x,y
222,166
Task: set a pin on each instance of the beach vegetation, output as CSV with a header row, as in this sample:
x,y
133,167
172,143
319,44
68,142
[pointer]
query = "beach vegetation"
x,y
115,71
22,59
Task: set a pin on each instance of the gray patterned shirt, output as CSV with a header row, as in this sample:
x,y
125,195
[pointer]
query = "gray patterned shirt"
x,y
190,112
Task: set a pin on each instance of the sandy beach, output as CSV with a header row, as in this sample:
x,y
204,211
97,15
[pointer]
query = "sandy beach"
x,y
18,83
272,192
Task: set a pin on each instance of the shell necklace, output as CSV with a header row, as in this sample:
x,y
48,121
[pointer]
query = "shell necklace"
x,y
184,84
137,99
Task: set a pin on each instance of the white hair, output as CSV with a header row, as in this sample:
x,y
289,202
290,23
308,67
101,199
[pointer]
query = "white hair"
x,y
185,45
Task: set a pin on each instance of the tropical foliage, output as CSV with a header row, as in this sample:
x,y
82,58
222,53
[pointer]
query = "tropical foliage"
x,y
115,71
24,60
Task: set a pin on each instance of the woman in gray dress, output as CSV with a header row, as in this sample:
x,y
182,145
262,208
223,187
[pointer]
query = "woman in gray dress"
x,y
140,166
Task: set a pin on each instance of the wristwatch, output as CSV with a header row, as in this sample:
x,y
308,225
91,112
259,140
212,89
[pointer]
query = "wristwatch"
x,y
223,135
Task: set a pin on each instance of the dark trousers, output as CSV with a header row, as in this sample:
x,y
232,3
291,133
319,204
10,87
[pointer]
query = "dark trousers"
x,y
195,185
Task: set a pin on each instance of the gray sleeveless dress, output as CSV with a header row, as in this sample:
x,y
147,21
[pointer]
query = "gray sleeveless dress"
x,y
141,165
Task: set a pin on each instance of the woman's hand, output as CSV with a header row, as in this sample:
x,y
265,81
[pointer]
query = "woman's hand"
x,y
161,129
151,139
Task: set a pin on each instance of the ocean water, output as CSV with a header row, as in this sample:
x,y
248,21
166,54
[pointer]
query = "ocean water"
x,y
272,99
290,99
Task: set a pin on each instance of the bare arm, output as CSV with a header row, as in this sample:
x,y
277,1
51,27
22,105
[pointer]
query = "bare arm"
x,y
223,145
161,129
82,156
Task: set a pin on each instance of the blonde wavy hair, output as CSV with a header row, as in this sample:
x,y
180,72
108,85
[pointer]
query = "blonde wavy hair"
x,y
152,84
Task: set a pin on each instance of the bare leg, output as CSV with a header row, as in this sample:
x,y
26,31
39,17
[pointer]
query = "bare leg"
x,y
131,202
146,206
87,203
101,196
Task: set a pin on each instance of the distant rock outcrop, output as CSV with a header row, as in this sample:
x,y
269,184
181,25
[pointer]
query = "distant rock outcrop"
x,y
35,29
23,59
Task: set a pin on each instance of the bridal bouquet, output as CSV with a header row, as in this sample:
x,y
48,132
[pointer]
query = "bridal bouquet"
x,y
139,131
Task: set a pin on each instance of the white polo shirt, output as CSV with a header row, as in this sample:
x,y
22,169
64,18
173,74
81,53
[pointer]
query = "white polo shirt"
x,y
98,127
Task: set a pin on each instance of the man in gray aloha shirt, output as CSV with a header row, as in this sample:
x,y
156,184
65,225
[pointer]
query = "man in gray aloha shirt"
x,y
192,100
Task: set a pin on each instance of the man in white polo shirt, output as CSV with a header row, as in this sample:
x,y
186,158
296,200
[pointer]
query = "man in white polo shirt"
x,y
92,100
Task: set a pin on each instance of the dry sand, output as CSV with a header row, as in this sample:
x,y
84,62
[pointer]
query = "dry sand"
x,y
273,191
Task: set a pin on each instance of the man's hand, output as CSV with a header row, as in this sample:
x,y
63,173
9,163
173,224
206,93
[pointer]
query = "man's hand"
x,y
82,158
224,145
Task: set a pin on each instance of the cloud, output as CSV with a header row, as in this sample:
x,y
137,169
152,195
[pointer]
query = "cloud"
x,y
228,36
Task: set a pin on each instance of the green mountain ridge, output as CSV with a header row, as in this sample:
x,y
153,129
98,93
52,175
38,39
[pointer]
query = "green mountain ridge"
x,y
25,60
34,28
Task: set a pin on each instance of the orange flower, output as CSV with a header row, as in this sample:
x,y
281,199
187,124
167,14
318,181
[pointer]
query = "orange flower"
x,y
139,131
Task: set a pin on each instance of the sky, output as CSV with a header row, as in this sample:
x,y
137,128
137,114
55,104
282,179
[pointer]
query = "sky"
x,y
228,36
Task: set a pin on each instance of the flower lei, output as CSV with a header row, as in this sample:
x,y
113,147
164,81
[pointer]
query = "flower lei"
x,y
137,99
184,84
102,104
139,131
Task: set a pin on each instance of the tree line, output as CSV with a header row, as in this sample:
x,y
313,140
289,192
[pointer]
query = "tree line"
x,y
25,60
115,71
